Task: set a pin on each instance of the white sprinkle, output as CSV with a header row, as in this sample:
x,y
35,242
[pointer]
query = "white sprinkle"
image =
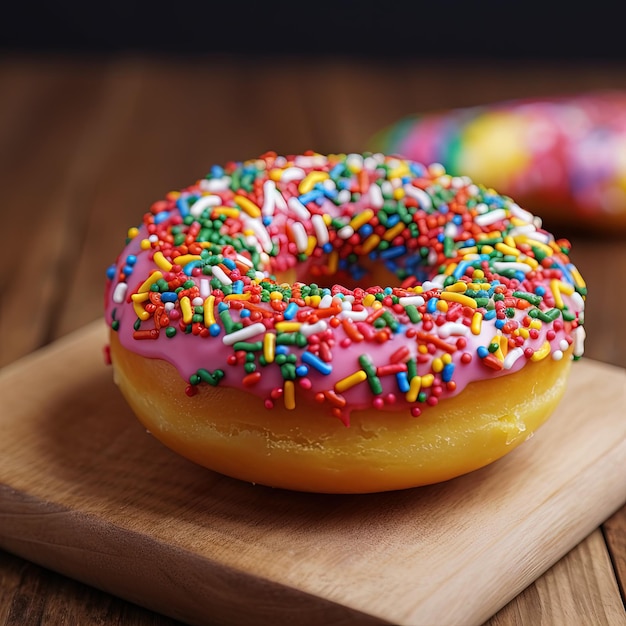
x,y
578,301
203,203
119,293
512,357
298,208
423,199
245,333
579,340
280,202
354,162
452,328
153,238
486,219
414,300
386,187
262,236
169,306
300,236
501,266
215,184
557,355
315,160
344,196
345,232
451,230
537,236
522,214
310,329
563,344
325,302
205,288
435,283
321,232
197,301
375,196
269,197
482,208
357,316
244,260
218,272
292,173
522,230
346,305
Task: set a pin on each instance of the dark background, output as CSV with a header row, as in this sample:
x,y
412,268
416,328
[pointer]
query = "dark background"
x,y
380,29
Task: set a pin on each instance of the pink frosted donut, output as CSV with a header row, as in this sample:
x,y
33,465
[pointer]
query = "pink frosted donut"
x,y
342,323
565,157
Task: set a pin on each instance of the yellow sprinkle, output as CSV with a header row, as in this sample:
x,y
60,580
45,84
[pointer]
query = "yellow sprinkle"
x,y
394,231
494,234
578,279
209,315
360,219
502,247
140,297
451,296
509,241
442,305
458,287
289,395
183,259
228,211
370,243
311,245
414,389
566,288
478,273
398,193
333,262
446,358
276,295
313,301
173,195
269,347
369,299
542,353
276,174
450,269
350,381
248,206
145,244
310,180
529,261
186,309
153,278
133,231
470,250
556,292
437,365
486,249
400,171
537,324
522,332
503,347
287,327
422,349
377,305
428,380
162,262
479,286
238,296
477,323
140,312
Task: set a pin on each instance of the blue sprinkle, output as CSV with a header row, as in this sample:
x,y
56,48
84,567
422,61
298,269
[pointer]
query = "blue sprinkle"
x,y
214,330
188,269
443,208
238,286
244,313
327,247
310,196
302,370
482,352
499,324
267,220
161,217
331,194
540,290
314,361
520,275
230,264
468,243
222,306
392,253
403,381
482,294
366,230
460,269
392,220
217,171
128,270
131,259
447,372
290,311
169,296
489,315
388,291
183,206
111,272
431,305
457,219
281,350
337,171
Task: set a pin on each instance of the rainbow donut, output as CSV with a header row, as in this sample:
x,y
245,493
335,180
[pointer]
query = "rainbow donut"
x,y
342,323
565,157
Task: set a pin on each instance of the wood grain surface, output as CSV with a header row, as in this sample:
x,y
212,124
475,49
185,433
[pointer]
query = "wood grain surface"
x,y
87,145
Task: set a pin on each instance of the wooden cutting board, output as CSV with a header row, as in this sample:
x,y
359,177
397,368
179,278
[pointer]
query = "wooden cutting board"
x,y
85,491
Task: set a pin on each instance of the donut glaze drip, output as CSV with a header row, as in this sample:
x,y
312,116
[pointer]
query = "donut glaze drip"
x,y
478,288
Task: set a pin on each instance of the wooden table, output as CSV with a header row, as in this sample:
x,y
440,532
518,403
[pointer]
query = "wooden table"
x,y
94,137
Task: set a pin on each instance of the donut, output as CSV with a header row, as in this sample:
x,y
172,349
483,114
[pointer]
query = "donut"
x,y
564,157
346,323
